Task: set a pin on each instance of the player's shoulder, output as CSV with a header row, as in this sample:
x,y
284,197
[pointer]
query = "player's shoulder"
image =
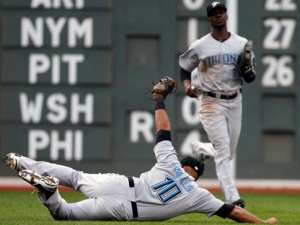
x,y
238,38
202,41
206,37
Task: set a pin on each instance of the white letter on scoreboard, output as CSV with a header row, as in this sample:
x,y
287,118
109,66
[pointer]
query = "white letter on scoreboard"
x,y
72,61
55,29
31,111
31,32
56,103
141,122
57,145
37,140
38,63
78,108
80,30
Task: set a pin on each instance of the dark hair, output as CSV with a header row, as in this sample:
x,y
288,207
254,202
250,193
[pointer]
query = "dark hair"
x,y
193,163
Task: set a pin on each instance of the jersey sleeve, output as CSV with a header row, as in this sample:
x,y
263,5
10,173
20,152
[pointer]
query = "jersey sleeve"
x,y
206,203
189,60
165,152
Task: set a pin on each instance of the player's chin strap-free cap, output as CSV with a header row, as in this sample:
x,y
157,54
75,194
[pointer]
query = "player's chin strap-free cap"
x,y
215,5
193,163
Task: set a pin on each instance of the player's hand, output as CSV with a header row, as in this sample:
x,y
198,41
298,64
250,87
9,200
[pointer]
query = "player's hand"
x,y
192,91
271,221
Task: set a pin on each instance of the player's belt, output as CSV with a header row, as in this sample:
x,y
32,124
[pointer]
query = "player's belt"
x,y
210,94
133,204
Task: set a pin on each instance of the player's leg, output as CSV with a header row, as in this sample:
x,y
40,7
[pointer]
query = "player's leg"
x,y
213,117
79,181
112,202
88,209
223,170
61,210
66,175
203,150
234,123
234,128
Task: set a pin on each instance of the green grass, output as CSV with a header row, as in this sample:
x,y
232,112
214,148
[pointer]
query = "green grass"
x,y
25,209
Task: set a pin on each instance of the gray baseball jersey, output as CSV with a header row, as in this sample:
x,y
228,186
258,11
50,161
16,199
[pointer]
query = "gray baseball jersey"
x,y
167,190
161,193
216,62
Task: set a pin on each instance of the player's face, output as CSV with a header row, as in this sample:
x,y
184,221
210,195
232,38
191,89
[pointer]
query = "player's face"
x,y
218,18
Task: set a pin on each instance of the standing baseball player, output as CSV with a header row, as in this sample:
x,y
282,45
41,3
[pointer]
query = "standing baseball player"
x,y
223,61
167,190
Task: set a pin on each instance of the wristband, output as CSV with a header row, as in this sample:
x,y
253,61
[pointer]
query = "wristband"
x,y
159,104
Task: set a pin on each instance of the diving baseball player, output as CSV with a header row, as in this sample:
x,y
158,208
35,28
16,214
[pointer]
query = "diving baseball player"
x,y
167,190
222,68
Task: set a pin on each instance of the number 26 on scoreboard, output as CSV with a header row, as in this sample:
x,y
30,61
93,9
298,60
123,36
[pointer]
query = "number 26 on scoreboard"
x,y
279,36
279,71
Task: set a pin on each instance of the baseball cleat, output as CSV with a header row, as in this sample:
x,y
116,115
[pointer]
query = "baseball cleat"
x,y
202,151
12,160
47,185
239,202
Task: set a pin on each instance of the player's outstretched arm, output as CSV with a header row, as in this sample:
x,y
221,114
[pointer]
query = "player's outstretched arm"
x,y
241,215
162,121
159,92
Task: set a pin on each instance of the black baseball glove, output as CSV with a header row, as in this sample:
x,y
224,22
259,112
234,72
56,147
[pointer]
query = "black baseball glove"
x,y
245,63
164,87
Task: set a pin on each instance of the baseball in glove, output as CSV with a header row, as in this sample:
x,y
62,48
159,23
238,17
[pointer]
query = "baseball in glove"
x,y
164,87
245,64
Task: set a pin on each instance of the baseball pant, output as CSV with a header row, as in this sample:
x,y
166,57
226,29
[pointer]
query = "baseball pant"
x,y
221,119
109,195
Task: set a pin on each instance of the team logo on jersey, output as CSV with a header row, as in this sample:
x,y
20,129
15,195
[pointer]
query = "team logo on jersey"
x,y
217,59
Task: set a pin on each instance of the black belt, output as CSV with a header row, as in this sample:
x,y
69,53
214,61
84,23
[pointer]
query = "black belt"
x,y
210,94
133,204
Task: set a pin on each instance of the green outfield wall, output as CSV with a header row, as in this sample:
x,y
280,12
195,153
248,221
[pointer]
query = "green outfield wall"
x,y
74,73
